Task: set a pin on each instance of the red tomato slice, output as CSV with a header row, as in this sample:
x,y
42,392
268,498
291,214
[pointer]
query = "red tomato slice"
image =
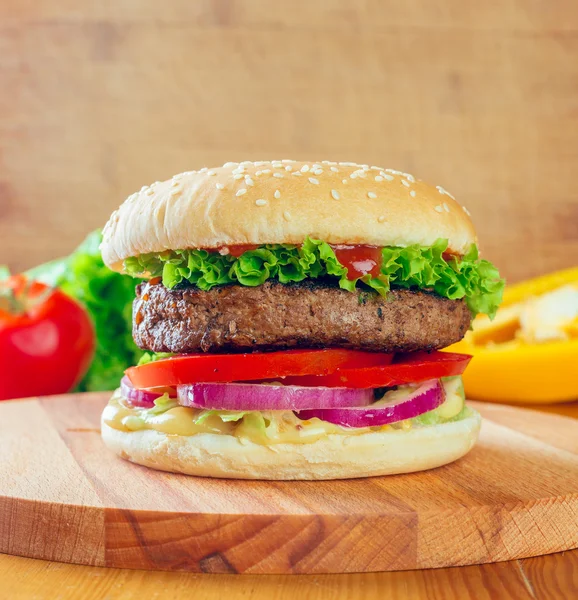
x,y
191,368
405,368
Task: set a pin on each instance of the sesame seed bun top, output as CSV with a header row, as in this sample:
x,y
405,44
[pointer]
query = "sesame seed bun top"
x,y
283,202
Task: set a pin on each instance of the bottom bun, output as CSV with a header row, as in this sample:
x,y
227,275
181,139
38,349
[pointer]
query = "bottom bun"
x,y
333,457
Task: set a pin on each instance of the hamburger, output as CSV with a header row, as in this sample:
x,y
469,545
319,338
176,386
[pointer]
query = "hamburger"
x,y
292,315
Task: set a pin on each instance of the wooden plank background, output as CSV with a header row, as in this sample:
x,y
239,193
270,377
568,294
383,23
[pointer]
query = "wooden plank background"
x,y
99,98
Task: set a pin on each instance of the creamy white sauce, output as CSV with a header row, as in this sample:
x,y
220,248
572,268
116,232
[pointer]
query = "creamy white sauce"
x,y
280,426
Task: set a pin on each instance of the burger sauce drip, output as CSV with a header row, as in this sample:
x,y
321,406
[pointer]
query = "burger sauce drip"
x,y
238,249
359,260
138,317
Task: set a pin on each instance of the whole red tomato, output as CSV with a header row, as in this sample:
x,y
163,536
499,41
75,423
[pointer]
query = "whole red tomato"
x,y
46,339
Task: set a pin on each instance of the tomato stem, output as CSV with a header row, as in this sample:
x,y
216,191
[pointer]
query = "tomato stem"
x,y
18,302
9,303
4,272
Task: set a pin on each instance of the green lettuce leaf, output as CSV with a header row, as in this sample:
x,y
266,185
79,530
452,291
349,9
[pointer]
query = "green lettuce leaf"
x,y
225,415
107,297
162,404
416,267
149,357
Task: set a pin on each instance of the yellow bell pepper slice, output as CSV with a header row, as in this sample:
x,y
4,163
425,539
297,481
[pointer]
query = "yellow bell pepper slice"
x,y
519,292
505,369
521,373
502,329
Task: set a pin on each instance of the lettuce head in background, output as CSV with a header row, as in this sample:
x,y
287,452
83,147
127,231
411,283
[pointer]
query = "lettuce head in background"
x,y
107,296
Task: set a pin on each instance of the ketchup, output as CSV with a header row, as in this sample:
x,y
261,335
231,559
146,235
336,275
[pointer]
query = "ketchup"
x,y
239,249
359,260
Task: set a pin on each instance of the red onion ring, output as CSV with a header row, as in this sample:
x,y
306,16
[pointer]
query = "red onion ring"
x,y
426,397
140,398
251,396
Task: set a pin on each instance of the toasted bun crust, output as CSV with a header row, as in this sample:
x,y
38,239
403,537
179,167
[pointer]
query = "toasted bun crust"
x,y
283,202
332,457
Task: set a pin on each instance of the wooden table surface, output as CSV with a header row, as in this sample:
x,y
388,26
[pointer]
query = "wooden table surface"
x,y
554,576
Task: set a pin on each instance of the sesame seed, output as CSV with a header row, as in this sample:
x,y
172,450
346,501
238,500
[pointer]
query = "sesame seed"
x,y
229,164
287,160
353,175
371,195
395,172
287,215
238,176
439,208
266,171
335,194
277,194
412,193
404,182
365,167
277,164
298,173
318,171
259,163
219,186
410,177
257,173
334,169
241,192
249,181
211,173
348,164
279,175
441,190
344,181
313,180
378,178
203,170
466,211
260,202
388,177
288,168
374,168
144,188
446,207
240,169
304,168
381,218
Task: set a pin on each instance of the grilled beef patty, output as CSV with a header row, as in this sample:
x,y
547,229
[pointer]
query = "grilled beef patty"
x,y
309,314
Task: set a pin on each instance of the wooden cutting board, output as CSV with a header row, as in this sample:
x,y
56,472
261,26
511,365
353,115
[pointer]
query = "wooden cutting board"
x,y
65,497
